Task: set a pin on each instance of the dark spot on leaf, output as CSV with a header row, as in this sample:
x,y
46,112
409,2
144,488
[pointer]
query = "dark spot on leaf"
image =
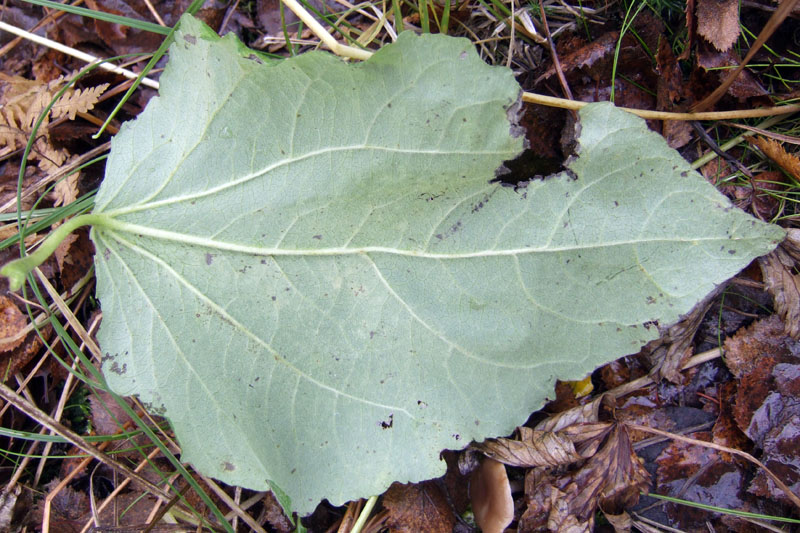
x,y
106,254
228,466
389,105
318,237
650,300
371,334
477,422
422,404
209,258
462,55
732,252
293,471
191,39
684,174
115,368
456,436
274,298
388,423
616,203
253,57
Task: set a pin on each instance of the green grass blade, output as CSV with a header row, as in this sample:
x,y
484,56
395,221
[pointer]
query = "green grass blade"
x,y
106,17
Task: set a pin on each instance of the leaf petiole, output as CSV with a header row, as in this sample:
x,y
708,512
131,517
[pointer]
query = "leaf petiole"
x,y
16,271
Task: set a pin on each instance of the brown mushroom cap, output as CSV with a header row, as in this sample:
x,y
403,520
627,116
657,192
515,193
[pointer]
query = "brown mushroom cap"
x,y
490,494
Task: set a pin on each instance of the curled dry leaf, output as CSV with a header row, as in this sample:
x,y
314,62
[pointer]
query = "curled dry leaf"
x,y
490,494
610,477
784,286
532,448
792,243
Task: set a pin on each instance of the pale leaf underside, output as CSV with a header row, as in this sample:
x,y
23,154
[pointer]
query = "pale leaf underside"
x,y
305,266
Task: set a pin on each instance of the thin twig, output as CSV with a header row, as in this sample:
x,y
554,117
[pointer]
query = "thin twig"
x,y
556,63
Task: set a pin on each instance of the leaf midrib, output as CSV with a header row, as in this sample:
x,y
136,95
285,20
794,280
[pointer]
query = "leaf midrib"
x,y
102,221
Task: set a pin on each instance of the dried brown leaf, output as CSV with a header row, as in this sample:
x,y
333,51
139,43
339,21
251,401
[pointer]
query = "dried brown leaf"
x,y
623,471
74,258
274,515
745,85
532,448
765,184
8,500
12,324
718,22
585,414
77,101
775,151
418,507
784,286
755,346
622,522
775,428
792,243
671,351
611,478
66,190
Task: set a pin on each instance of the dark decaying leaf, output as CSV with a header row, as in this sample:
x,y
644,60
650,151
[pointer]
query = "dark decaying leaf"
x,y
418,507
699,474
767,363
746,85
766,203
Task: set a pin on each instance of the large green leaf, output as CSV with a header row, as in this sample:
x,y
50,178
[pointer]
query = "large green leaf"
x,y
305,267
